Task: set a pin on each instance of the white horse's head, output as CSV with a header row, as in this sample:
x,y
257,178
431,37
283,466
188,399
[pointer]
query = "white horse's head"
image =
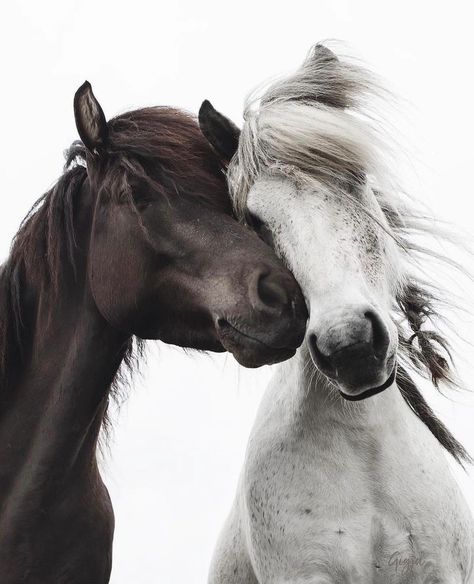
x,y
337,245
309,172
300,177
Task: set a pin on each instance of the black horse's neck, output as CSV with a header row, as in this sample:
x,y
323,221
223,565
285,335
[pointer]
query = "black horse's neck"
x,y
50,418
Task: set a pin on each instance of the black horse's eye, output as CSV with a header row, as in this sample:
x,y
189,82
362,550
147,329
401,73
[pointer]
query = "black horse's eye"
x,y
143,198
260,228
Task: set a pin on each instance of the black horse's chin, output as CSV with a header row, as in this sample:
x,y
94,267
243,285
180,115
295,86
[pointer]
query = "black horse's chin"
x,y
248,350
373,391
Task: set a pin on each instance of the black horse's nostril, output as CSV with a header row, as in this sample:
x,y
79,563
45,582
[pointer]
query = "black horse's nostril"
x,y
380,336
271,292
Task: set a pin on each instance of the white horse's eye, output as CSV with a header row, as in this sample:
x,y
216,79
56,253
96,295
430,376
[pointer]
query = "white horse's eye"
x,y
260,228
254,221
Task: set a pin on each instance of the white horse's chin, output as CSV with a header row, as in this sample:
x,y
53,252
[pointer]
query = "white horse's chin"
x,y
354,395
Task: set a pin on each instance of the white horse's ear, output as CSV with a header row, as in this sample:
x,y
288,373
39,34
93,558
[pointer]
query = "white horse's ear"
x,y
323,54
324,66
90,119
221,133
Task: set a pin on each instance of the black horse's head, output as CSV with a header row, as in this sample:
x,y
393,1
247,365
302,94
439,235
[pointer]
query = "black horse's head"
x,y
166,258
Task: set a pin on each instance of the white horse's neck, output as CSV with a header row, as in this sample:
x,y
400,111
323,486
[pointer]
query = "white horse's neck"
x,y
314,398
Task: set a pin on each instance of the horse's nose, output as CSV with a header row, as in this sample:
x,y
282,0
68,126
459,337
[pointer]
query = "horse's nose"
x,y
380,338
269,291
351,344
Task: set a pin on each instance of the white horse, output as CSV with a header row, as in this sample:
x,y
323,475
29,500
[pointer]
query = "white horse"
x,y
336,488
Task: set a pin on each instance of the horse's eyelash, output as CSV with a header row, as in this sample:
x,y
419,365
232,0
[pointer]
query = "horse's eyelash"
x,y
255,222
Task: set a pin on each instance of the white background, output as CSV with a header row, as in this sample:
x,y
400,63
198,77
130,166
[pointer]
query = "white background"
x,y
180,439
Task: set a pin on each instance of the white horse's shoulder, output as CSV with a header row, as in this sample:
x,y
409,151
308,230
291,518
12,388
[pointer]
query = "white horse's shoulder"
x,y
322,499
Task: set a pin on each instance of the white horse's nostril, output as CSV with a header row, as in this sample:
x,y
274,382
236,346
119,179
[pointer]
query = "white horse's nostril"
x,y
319,359
380,334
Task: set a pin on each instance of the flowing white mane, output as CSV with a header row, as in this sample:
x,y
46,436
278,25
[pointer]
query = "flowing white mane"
x,y
317,122
319,125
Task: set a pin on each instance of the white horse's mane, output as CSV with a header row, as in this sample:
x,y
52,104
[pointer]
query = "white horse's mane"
x,y
320,124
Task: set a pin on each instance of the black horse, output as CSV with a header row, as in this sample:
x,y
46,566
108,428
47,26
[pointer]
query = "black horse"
x,y
136,240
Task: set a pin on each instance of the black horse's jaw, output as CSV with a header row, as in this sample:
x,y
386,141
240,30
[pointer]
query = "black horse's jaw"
x,y
247,349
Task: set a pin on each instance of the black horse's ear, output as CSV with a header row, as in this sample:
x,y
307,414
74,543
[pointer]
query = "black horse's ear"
x,y
221,133
90,119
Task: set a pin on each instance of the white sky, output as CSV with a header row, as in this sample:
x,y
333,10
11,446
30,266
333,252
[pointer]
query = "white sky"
x,y
180,438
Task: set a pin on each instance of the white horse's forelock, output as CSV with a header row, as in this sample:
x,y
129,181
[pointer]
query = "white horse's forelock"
x,y
325,123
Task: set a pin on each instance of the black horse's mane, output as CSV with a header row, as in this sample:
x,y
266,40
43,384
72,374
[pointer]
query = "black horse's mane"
x,y
157,145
